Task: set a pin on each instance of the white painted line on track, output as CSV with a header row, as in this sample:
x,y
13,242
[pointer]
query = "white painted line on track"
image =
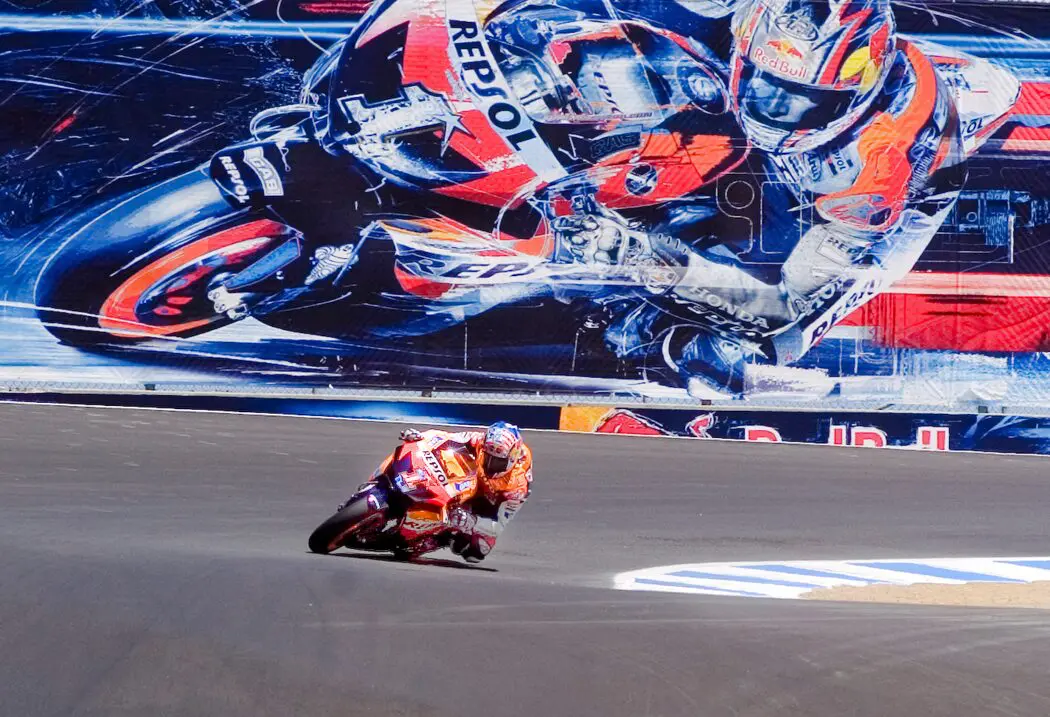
x,y
794,579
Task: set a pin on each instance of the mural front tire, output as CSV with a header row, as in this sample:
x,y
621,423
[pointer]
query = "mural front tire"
x,y
141,268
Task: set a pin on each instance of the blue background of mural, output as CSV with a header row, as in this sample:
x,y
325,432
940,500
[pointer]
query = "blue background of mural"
x,y
94,106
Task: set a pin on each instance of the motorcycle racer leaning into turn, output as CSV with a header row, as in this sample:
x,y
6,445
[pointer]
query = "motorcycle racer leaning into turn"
x,y
503,464
865,136
859,139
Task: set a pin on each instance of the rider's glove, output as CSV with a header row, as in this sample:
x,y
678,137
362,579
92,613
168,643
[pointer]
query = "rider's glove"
x,y
472,549
590,239
410,435
610,245
461,521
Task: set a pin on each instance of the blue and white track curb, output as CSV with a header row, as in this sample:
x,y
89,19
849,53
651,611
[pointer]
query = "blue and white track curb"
x,y
793,579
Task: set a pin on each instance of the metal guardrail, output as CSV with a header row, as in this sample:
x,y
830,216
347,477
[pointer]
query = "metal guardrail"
x,y
502,396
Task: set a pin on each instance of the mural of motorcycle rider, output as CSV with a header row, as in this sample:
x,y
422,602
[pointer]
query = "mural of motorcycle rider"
x,y
861,141
862,133
595,82
858,127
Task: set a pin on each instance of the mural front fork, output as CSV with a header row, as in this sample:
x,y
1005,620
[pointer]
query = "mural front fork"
x,y
322,196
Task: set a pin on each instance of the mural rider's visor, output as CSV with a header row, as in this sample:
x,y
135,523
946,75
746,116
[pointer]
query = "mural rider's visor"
x,y
789,106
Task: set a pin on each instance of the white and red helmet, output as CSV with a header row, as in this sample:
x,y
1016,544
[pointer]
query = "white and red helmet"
x,y
500,448
805,71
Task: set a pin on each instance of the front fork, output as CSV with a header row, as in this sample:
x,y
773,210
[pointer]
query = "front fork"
x,y
376,496
264,287
273,177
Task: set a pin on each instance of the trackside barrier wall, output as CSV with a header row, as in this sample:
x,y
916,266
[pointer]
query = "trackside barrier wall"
x,y
930,432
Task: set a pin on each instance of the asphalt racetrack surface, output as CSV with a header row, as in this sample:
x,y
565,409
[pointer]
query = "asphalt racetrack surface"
x,y
155,563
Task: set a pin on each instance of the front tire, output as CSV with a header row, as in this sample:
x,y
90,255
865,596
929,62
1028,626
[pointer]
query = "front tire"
x,y
348,522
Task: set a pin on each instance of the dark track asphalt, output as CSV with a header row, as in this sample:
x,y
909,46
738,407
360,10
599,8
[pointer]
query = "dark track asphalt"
x,y
154,563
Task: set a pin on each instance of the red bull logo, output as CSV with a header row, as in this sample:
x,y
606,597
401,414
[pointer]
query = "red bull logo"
x,y
781,57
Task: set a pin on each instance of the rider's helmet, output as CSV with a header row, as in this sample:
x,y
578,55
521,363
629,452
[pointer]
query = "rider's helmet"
x,y
805,71
500,449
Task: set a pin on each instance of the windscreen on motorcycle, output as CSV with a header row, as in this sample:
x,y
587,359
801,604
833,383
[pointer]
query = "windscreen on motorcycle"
x,y
596,81
779,103
634,76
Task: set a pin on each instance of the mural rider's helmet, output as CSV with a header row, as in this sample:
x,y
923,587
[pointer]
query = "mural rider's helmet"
x,y
500,449
805,71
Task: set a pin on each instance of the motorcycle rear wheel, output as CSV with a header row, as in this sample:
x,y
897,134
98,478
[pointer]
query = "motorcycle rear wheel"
x,y
344,525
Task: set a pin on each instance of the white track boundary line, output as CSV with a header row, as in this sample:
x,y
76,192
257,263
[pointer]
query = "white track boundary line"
x,y
769,583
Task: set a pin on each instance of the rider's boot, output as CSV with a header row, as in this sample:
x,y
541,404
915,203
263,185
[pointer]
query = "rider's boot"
x,y
710,367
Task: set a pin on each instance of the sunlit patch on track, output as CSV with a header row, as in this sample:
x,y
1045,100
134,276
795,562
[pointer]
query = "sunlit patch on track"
x,y
796,579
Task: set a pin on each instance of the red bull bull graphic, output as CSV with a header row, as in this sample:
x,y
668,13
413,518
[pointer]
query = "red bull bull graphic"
x,y
935,433
786,48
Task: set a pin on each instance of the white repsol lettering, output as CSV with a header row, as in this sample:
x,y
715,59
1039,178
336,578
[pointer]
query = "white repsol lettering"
x,y
240,191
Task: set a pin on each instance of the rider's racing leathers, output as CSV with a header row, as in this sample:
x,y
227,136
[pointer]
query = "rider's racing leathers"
x,y
476,524
851,216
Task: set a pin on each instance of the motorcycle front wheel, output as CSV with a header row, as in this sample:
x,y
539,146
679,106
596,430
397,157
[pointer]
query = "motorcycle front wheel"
x,y
351,520
142,268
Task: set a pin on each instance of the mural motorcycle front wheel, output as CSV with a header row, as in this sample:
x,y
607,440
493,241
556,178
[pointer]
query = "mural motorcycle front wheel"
x,y
142,268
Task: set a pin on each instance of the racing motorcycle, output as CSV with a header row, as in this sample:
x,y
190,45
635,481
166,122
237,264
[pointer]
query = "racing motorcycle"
x,y
410,189
402,509
423,181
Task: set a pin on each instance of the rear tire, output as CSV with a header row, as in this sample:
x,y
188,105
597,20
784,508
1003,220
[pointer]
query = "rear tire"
x,y
334,532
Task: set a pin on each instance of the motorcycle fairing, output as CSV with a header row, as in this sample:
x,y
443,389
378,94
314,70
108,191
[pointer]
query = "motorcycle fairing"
x,y
463,108
440,258
462,272
433,477
452,123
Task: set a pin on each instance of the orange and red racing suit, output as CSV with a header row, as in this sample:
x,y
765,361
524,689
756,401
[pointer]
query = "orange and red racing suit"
x,y
477,522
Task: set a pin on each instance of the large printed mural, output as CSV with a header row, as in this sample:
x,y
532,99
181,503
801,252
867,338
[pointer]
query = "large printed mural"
x,y
786,202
